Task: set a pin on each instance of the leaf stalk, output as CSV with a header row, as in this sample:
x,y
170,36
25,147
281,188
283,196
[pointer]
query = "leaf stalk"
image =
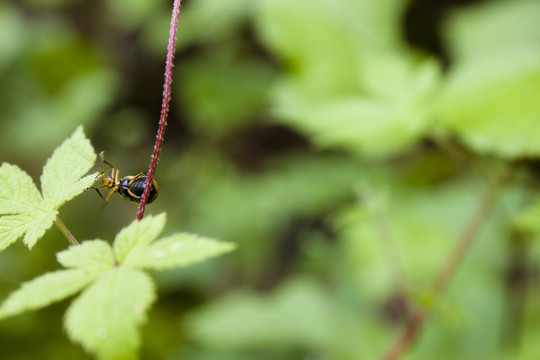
x,y
65,231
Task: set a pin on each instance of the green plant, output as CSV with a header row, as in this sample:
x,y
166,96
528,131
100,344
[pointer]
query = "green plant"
x,y
377,160
432,250
116,292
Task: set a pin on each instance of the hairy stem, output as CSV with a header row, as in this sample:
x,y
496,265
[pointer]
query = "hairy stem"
x,y
65,231
164,107
447,271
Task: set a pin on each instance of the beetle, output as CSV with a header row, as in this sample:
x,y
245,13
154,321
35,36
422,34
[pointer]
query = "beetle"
x,y
130,187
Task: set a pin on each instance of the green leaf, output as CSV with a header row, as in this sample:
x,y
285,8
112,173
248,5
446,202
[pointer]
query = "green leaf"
x,y
297,312
300,314
34,225
373,126
62,177
178,250
481,31
18,193
22,210
138,233
351,81
312,35
490,97
12,227
40,222
527,220
105,317
22,207
90,255
44,290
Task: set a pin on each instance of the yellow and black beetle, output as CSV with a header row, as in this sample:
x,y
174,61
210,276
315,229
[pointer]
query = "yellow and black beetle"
x,y
130,188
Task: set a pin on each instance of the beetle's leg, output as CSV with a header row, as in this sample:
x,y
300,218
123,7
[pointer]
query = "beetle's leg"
x,y
135,178
113,190
97,190
137,197
116,177
135,200
97,177
101,195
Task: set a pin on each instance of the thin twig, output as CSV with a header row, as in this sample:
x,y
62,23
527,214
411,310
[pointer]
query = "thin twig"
x,y
66,232
392,254
388,242
447,271
164,107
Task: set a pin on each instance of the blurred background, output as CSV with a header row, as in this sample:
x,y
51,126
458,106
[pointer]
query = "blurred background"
x,y
342,145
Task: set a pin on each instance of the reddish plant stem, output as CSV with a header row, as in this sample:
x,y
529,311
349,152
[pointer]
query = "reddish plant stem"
x,y
164,107
445,274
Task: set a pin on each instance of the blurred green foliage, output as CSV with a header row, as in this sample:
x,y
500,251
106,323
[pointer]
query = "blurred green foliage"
x,y
342,151
494,78
347,61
